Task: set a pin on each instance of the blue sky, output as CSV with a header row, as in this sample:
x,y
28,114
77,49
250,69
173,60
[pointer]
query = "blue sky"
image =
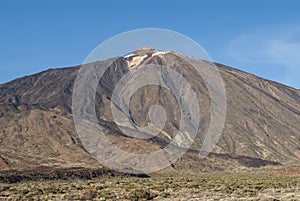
x,y
260,37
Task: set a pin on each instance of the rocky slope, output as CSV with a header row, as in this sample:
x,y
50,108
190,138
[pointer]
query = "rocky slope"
x,y
36,125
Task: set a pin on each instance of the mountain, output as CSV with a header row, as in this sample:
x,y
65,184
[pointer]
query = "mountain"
x,y
261,127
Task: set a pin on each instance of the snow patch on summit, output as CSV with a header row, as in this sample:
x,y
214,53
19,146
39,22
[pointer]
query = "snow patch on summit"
x,y
158,53
136,58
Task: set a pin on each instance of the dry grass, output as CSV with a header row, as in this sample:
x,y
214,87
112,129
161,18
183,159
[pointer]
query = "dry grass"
x,y
210,186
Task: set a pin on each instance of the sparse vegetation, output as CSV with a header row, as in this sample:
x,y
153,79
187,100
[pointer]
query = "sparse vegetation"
x,y
253,185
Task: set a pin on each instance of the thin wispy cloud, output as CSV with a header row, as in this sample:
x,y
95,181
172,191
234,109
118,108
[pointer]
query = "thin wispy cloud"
x,y
269,48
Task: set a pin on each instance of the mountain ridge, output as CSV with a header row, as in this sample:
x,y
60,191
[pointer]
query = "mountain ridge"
x,y
261,123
